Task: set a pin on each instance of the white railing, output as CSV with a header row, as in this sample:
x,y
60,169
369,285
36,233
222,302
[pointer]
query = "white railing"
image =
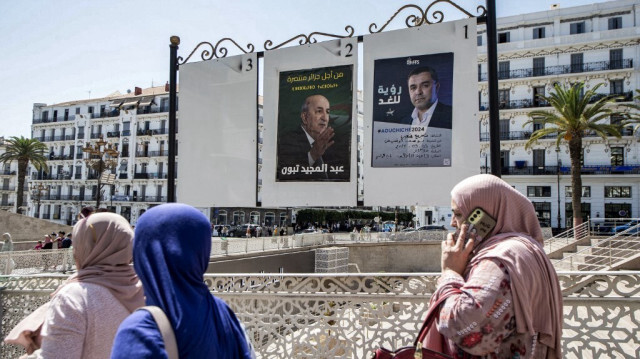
x,y
36,261
348,315
236,246
605,254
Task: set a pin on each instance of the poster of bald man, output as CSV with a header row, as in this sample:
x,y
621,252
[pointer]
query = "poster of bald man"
x,y
412,113
314,125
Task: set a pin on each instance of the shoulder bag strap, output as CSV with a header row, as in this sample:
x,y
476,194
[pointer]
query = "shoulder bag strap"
x,y
432,314
170,345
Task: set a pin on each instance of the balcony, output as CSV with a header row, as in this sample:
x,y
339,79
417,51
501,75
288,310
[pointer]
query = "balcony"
x,y
112,134
536,102
46,216
95,136
6,204
126,133
8,173
142,153
525,135
46,177
158,153
524,170
561,69
8,188
148,109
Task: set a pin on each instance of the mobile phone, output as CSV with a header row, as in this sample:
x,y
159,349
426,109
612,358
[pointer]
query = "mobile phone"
x,y
480,223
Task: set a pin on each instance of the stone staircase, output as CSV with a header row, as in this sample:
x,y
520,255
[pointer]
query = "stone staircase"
x,y
587,249
26,231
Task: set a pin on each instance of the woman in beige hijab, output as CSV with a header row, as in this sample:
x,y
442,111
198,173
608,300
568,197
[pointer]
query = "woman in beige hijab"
x,y
83,315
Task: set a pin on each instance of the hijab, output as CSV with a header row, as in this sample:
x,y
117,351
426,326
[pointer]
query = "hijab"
x,y
103,252
516,242
7,246
171,254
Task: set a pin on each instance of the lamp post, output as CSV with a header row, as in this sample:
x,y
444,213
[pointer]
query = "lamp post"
x,y
558,163
100,156
36,193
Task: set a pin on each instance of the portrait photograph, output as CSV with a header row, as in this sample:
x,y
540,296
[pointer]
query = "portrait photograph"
x,y
315,125
412,111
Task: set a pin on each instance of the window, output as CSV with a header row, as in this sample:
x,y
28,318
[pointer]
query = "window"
x,y
283,219
617,191
66,114
254,217
504,129
238,217
586,191
615,59
503,37
503,98
538,66
616,87
543,212
615,23
269,218
577,28
222,217
538,32
45,115
479,73
479,40
77,110
503,70
538,158
90,110
585,209
537,92
538,191
617,156
538,125
576,62
617,210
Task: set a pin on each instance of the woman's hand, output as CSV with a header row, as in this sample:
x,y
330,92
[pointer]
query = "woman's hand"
x,y
455,254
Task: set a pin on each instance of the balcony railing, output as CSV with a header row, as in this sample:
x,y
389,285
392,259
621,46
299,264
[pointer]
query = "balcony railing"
x,y
56,119
536,102
158,131
46,177
525,135
525,170
8,173
158,153
561,69
95,135
150,175
126,133
142,153
6,204
148,109
113,134
8,188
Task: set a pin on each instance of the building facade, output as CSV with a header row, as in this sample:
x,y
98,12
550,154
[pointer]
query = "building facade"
x,y
594,44
8,182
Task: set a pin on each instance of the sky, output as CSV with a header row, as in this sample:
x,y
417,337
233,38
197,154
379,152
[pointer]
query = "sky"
x,y
64,50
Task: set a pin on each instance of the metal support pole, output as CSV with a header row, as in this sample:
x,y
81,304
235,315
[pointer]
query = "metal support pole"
x,y
173,74
494,111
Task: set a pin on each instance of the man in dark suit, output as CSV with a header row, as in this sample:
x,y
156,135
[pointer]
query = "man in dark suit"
x,y
310,152
423,89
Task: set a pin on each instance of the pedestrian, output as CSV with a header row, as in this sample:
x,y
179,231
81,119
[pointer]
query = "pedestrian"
x,y
504,284
38,246
83,315
171,254
7,264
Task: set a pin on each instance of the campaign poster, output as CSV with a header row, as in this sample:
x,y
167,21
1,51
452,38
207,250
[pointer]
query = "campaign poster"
x,y
412,111
314,125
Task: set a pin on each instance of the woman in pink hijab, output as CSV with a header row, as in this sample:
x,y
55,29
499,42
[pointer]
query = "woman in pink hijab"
x,y
507,301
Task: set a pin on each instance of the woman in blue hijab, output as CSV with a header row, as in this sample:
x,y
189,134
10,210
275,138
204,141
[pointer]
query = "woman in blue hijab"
x,y
171,251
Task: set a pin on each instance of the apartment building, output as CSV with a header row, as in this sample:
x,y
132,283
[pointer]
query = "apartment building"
x,y
8,182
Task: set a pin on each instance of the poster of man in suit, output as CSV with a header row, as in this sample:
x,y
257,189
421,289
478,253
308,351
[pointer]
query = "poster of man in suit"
x,y
315,125
412,113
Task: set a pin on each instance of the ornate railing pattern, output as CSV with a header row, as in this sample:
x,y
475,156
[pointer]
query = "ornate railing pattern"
x,y
346,316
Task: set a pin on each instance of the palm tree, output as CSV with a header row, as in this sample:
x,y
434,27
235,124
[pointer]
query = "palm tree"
x,y
572,119
24,150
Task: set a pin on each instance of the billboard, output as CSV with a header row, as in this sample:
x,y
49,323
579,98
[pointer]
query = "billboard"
x,y
314,124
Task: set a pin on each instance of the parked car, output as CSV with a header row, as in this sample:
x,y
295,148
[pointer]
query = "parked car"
x,y
627,226
431,227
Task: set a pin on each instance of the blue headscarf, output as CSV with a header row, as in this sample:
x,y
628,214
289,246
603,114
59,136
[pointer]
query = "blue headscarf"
x,y
171,252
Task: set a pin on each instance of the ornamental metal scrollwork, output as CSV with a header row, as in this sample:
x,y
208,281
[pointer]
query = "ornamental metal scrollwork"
x,y
216,51
422,18
309,39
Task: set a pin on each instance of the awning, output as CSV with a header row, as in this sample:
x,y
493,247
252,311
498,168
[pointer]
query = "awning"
x,y
116,103
146,101
130,102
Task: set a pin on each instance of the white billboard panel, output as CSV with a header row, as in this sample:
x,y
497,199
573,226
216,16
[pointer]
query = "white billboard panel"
x,y
309,144
218,121
420,113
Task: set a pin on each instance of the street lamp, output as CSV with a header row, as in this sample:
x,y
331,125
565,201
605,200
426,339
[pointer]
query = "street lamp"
x,y
101,156
36,193
558,163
